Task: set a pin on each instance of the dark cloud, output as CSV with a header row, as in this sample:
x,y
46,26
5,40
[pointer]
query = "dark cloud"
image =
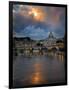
x,y
23,23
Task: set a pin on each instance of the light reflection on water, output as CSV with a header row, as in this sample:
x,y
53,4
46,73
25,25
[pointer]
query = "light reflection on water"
x,y
37,70
36,78
37,75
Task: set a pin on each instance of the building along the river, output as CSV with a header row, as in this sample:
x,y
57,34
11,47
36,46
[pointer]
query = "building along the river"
x,y
27,44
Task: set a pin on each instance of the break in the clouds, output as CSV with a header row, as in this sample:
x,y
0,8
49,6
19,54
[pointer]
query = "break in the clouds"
x,y
37,21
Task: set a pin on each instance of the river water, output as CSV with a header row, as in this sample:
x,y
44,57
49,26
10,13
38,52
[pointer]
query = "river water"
x,y
38,70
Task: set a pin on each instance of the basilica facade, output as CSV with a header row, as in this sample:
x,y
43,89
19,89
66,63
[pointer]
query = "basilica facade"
x,y
50,40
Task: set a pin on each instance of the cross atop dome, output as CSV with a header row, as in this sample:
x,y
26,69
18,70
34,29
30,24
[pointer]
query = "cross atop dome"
x,y
51,35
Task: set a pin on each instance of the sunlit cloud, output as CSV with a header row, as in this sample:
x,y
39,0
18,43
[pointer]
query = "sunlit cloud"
x,y
49,18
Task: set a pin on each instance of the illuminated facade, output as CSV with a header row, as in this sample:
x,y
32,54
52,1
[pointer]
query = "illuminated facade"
x,y
51,40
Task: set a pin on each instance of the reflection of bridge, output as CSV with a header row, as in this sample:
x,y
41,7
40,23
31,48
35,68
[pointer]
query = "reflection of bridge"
x,y
39,50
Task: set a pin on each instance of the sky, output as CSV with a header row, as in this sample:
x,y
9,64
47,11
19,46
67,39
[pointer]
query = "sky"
x,y
37,22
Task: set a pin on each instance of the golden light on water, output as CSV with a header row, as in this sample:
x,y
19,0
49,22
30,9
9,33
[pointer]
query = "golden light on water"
x,y
37,77
61,57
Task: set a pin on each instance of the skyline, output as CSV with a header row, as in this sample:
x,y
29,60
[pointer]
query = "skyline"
x,y
37,21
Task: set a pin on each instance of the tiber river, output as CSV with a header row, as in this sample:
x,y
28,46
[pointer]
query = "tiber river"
x,y
38,70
